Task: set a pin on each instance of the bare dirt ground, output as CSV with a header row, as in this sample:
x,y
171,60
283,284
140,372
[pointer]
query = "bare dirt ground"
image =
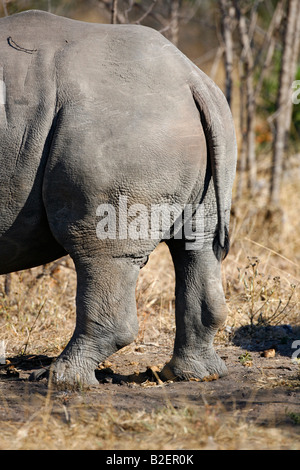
x,y
263,389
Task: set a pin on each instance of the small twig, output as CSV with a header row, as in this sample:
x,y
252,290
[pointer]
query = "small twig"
x,y
31,329
7,284
278,313
14,45
128,10
147,12
216,62
271,251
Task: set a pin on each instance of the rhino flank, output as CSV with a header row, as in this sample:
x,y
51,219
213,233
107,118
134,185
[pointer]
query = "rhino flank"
x,y
89,114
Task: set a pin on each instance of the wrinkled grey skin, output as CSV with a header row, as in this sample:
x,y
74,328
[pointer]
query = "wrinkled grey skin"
x,y
93,112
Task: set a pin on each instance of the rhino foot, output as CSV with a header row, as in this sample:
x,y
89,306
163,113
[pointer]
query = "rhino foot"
x,y
65,375
202,368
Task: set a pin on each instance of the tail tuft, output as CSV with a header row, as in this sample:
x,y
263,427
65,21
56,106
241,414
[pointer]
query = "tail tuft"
x,y
221,251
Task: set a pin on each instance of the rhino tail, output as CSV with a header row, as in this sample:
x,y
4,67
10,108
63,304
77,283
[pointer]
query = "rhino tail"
x,y
212,106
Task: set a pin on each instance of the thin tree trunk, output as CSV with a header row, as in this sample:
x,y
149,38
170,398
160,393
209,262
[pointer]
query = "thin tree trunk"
x,y
270,42
295,56
242,161
5,7
215,66
283,101
114,11
251,157
250,106
249,93
226,24
174,26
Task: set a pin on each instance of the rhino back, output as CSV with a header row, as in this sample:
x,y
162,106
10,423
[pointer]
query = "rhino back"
x,y
127,78
111,102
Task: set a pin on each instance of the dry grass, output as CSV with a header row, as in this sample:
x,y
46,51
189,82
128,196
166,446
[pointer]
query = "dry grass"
x,y
164,429
263,266
38,318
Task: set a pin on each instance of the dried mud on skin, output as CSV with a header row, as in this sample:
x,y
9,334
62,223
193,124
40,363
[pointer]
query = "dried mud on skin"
x,y
264,390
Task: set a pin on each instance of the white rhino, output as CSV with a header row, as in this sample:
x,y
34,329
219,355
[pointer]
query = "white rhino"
x,y
92,115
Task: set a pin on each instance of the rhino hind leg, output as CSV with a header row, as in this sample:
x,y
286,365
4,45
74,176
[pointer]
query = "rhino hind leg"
x,y
106,319
200,310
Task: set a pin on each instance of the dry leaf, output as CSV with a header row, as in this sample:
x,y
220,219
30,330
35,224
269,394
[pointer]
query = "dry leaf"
x,y
210,378
269,353
248,363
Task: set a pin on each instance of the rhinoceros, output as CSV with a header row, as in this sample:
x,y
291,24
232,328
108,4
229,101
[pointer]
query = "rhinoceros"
x,y
98,120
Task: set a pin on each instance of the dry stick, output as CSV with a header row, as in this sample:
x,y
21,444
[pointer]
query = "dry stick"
x,y
164,22
146,13
272,251
7,284
193,10
243,150
31,329
278,313
285,273
115,14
